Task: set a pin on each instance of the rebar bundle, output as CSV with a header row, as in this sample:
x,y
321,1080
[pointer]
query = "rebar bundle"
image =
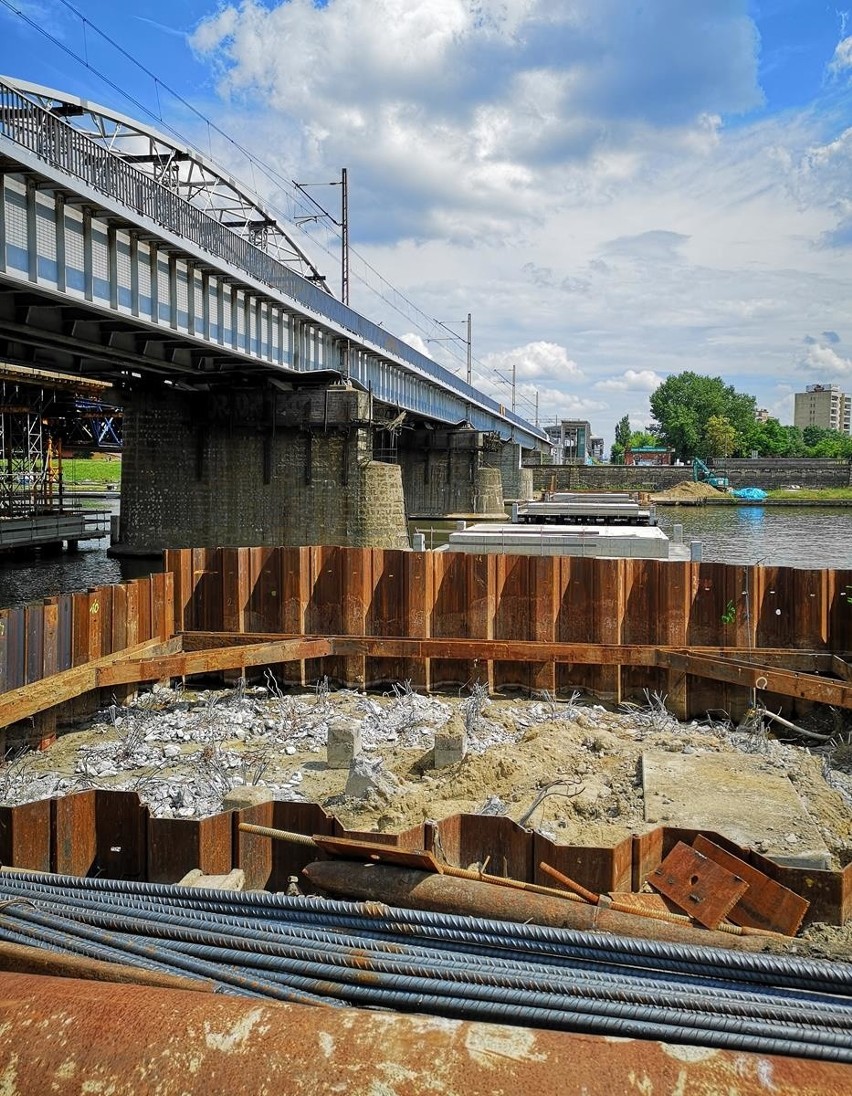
x,y
334,953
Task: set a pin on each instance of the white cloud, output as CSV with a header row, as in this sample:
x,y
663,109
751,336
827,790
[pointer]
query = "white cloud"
x,y
826,361
645,380
842,60
473,109
569,173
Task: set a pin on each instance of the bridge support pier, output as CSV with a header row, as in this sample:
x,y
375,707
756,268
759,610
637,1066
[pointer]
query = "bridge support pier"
x,y
451,473
517,481
255,467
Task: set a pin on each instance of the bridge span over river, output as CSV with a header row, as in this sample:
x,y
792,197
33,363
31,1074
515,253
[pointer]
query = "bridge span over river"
x,y
258,409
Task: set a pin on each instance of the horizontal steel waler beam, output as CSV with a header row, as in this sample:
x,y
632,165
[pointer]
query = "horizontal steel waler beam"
x,y
777,670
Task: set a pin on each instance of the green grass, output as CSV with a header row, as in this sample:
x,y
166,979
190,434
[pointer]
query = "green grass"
x,y
813,494
78,472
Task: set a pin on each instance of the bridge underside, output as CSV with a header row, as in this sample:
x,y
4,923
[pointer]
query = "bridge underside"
x,y
257,409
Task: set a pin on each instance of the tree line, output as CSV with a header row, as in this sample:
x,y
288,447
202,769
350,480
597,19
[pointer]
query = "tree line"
x,y
699,416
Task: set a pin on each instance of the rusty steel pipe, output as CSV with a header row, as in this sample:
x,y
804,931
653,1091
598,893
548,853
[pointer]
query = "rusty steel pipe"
x,y
197,1043
444,894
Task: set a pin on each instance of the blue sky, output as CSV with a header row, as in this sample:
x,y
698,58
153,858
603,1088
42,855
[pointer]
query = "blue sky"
x,y
616,191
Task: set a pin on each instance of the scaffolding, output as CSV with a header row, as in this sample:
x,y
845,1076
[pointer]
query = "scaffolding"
x,y
30,458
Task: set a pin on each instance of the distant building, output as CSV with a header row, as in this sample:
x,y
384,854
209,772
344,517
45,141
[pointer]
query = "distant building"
x,y
649,456
597,448
572,441
823,405
762,415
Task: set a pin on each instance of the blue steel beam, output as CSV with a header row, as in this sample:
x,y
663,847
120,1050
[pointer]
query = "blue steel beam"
x,y
139,249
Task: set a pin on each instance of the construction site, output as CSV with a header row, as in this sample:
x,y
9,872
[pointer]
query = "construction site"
x,y
452,821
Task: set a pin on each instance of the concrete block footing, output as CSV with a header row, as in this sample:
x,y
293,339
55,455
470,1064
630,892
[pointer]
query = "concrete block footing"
x,y
450,746
234,881
344,744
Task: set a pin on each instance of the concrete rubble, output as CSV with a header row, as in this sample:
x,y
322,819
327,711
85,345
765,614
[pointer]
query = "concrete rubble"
x,y
188,754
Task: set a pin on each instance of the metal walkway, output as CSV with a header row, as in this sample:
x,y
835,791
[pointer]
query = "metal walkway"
x,y
128,255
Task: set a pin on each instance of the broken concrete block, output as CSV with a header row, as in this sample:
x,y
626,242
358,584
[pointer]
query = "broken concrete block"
x,y
450,744
368,774
246,796
344,743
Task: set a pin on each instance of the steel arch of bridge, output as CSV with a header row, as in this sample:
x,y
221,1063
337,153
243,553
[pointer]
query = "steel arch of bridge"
x,y
166,242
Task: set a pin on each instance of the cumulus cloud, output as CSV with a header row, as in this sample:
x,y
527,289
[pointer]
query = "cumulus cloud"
x,y
477,106
825,360
632,380
575,175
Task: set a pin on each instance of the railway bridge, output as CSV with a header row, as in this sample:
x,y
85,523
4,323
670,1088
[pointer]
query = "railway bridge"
x,y
258,408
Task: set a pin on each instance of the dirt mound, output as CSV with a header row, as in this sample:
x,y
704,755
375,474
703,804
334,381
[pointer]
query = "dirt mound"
x,y
686,489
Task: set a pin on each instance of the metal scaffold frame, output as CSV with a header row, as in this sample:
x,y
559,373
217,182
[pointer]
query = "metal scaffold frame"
x,y
29,479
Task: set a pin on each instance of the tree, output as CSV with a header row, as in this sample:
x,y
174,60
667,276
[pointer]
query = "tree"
x,y
683,404
622,440
642,438
771,439
720,437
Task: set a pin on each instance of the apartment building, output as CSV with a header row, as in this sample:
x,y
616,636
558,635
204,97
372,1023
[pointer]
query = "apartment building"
x,y
823,405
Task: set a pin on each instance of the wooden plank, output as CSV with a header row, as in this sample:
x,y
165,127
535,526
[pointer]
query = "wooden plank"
x,y
697,885
766,904
181,664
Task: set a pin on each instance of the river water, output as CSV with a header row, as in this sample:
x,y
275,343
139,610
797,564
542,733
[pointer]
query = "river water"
x,y
778,536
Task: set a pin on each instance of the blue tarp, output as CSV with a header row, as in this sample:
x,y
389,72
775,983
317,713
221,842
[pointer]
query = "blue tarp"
x,y
753,494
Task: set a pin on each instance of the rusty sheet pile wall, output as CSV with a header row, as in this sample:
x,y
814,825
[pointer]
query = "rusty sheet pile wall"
x,y
112,834
386,593
45,638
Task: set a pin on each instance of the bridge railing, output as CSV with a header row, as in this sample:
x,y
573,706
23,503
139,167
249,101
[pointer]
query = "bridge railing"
x,y
56,142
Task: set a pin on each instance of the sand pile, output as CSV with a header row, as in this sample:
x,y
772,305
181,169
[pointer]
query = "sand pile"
x,y
685,491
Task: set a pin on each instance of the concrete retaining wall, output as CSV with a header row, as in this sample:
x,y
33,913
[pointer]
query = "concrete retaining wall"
x,y
765,472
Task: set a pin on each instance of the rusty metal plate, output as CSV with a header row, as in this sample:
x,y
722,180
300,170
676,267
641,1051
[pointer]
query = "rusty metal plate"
x,y
384,854
699,886
766,904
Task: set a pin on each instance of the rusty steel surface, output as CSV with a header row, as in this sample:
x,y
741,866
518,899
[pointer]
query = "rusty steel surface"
x,y
766,904
66,1037
699,886
369,850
